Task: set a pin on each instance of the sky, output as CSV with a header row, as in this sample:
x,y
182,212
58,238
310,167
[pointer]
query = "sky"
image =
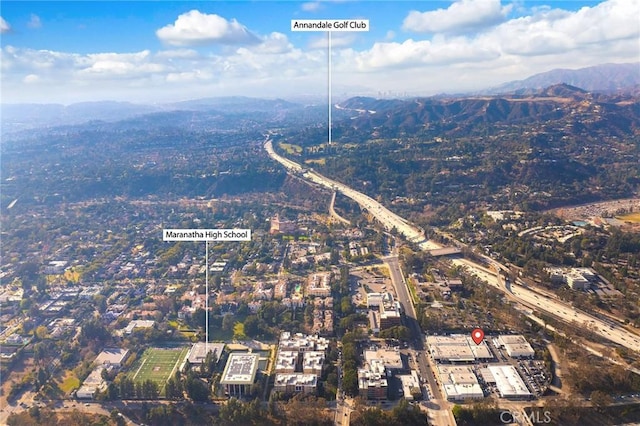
x,y
154,52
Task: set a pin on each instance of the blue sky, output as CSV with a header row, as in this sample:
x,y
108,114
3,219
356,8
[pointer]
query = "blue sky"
x,y
164,51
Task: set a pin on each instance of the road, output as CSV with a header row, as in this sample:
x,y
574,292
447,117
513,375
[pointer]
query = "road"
x,y
385,216
391,220
333,213
554,307
437,407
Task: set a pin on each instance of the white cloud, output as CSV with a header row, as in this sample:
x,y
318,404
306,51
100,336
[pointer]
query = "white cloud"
x,y
311,6
543,39
338,39
31,79
411,53
177,54
34,22
195,28
462,16
274,43
4,26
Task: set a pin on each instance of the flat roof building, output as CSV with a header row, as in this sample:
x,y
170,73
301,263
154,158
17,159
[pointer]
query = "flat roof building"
x,y
312,362
319,284
509,383
410,384
372,381
390,358
457,348
459,382
516,346
94,382
138,324
198,352
301,343
240,373
390,315
295,382
112,356
286,361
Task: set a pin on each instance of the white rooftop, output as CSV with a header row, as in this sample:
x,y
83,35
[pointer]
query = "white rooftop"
x,y
508,381
241,368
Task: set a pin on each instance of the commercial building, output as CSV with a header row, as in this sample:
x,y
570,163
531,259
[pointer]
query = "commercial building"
x,y
575,278
240,373
516,346
378,299
509,383
459,382
374,322
457,348
390,315
389,358
372,381
410,385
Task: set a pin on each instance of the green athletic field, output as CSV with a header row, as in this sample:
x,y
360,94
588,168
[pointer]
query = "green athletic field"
x,y
158,364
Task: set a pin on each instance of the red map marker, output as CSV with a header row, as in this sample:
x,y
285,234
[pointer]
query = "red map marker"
x,y
477,336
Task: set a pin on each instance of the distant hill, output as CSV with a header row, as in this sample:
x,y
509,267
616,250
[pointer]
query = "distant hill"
x,y
234,104
457,115
17,117
23,117
606,78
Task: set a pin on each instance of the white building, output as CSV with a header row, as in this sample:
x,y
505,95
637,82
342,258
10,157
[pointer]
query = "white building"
x,y
312,362
509,383
516,346
459,382
295,383
457,348
92,384
240,373
372,381
286,361
112,356
198,352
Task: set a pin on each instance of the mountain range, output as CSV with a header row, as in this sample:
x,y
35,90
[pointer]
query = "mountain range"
x,y
608,78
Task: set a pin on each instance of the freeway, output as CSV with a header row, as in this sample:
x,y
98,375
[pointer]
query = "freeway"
x,y
556,308
385,216
391,220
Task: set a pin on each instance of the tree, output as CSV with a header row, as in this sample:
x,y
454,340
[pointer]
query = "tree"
x,y
350,381
196,389
227,322
252,326
150,389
